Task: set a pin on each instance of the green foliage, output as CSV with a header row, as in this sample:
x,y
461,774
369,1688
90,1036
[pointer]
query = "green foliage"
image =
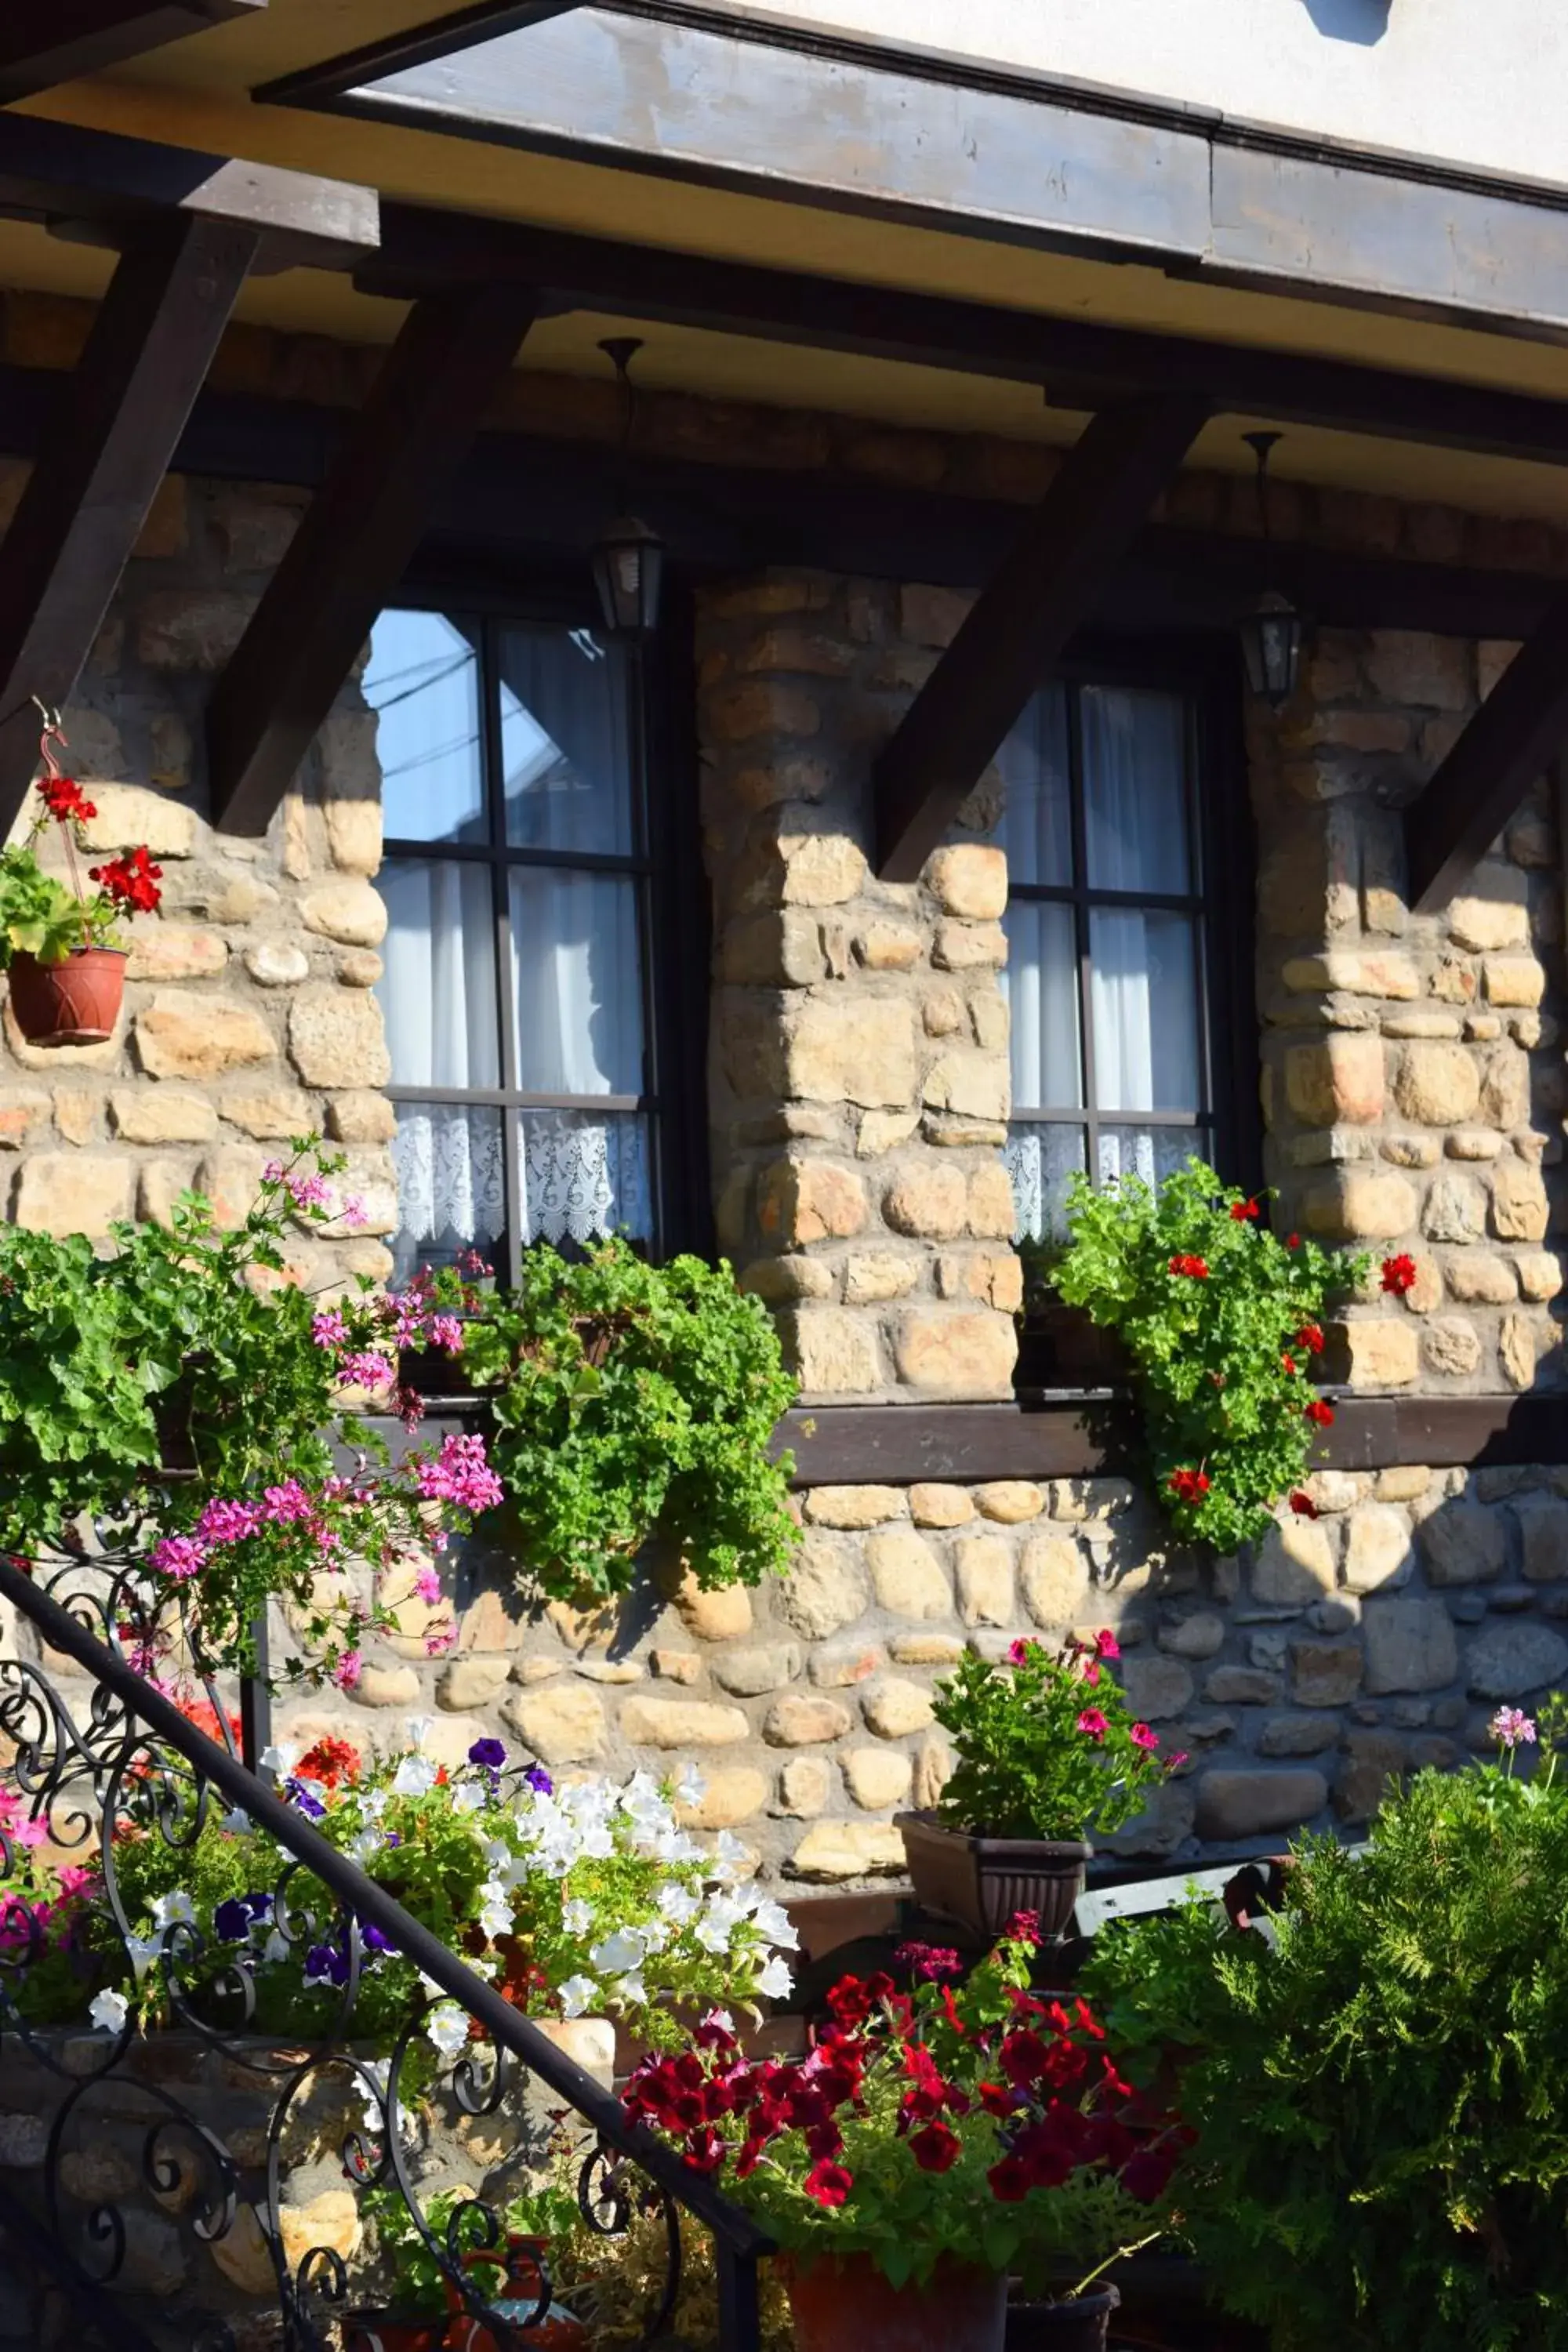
x,y
40,915
416,2284
1045,1745
633,1401
1381,2155
1221,1363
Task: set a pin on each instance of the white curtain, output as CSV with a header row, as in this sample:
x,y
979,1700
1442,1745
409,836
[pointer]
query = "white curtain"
x,y
1035,824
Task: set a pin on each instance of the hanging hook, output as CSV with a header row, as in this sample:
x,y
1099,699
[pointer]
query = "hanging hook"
x,y
1262,446
52,733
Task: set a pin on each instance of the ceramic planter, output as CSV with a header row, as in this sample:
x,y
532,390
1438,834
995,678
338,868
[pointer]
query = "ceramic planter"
x,y
383,2331
514,2295
843,2303
1079,2324
982,1881
76,1003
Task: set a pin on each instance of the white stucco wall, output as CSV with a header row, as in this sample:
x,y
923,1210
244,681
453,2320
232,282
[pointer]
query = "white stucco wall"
x,y
1478,82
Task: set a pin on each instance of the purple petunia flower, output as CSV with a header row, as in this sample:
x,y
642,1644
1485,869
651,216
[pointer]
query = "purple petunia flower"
x,y
232,1920
539,1780
375,1940
325,1964
301,1794
489,1752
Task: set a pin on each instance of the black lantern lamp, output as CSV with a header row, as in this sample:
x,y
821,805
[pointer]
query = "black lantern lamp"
x,y
629,558
1271,635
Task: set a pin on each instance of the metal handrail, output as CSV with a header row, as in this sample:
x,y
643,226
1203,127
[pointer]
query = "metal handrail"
x,y
738,2240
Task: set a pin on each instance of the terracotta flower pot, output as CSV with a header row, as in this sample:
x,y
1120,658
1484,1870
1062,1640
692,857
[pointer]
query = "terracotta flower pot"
x,y
1076,2325
76,1003
981,1882
842,2303
513,2294
381,2331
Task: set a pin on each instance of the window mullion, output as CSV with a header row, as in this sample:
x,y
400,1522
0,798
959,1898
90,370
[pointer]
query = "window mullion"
x,y
1079,818
500,909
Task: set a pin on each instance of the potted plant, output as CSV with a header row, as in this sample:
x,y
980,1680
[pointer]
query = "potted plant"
x,y
926,2143
500,2258
1221,1320
1046,1750
60,947
1374,2087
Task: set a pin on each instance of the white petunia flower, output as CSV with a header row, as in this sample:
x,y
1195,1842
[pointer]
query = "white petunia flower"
x,y
691,1786
415,1777
625,1949
776,1978
109,2010
368,1842
678,1906
141,1951
716,1928
578,1995
722,2019
447,2028
631,1988
576,1916
275,1948
674,1845
280,1759
468,1797
171,1910
775,1922
419,1729
732,1859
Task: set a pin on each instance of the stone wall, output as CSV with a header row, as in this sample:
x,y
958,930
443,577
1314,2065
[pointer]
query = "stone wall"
x,y
249,1015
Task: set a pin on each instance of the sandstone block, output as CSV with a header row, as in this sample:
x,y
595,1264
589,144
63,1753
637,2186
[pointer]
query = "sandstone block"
x,y
22,1112
1454,1209
1357,1204
1520,1209
1377,1548
1164,1825
1010,1500
1339,1080
1373,1762
1510,1661
969,946
272,1113
1436,1084
72,1193
888,946
1323,1673
184,1036
1514,980
1406,1484
824,1591
1410,1644
1380,1352
805,1201
1463,1543
907,1577
1053,1575
1488,923
1476,1278
970,1083
128,815
672,1723
853,1507
175,951
1451,1346
956,1354
969,879
230,1181
934,1506
883,1130
1505,1088
1542,1522
877,1777
361,1117
1298,1735
780,947
1352,975
489,1625
779,1279
925,1649
1156,1688
984,1565
676,1666
839,1665
855,1050
336,1037
878,1275
380,1685
820,869
276,963
896,1707
805,1784
833,1851
993,1214
927,1201
1540,1274
1516,1350
721,1614
747,1674
834,1353
1243,1687
735,1793
561,1723
1240,1804
160,1115
1201,1636
1294,1566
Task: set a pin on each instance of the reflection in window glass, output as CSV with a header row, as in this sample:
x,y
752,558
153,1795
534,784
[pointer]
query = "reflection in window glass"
x,y
422,683
564,742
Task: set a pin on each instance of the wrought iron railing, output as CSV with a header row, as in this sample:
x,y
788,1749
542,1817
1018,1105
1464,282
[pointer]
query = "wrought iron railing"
x,y
122,1760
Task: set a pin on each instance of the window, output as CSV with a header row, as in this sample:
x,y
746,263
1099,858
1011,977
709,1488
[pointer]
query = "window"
x,y
518,887
1115,975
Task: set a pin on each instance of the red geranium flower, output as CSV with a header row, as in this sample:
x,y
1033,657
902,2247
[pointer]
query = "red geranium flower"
x,y
1194,1268
330,1762
1292,1240
1142,1736
62,796
1311,1336
1288,1362
1303,1505
130,881
1242,1210
827,2183
1320,1412
1093,1725
1399,1275
1106,1644
1188,1485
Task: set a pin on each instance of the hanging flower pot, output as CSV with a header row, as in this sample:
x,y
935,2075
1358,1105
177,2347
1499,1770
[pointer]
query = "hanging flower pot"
x,y
843,2303
74,1002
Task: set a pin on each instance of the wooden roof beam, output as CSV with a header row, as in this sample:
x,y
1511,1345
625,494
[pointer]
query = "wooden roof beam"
x,y
426,404
1513,737
114,424
1048,586
112,187
45,42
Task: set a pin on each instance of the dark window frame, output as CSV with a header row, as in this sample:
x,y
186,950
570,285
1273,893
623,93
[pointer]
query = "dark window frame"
x,y
1206,673
663,863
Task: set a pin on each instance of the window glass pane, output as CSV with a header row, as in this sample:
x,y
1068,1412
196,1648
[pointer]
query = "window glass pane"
x,y
451,1186
1036,825
1152,1153
577,978
1041,986
438,989
422,683
565,749
584,1175
1040,1156
1145,995
1134,782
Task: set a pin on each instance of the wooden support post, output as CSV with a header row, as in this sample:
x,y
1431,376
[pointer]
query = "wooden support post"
x,y
116,421
1047,588
345,560
1513,738
44,42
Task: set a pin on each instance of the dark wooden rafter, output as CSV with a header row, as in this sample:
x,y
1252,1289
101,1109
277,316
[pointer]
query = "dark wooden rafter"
x,y
45,42
1046,587
1513,738
115,423
424,406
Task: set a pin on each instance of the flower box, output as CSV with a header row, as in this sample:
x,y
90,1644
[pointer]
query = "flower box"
x,y
981,1882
